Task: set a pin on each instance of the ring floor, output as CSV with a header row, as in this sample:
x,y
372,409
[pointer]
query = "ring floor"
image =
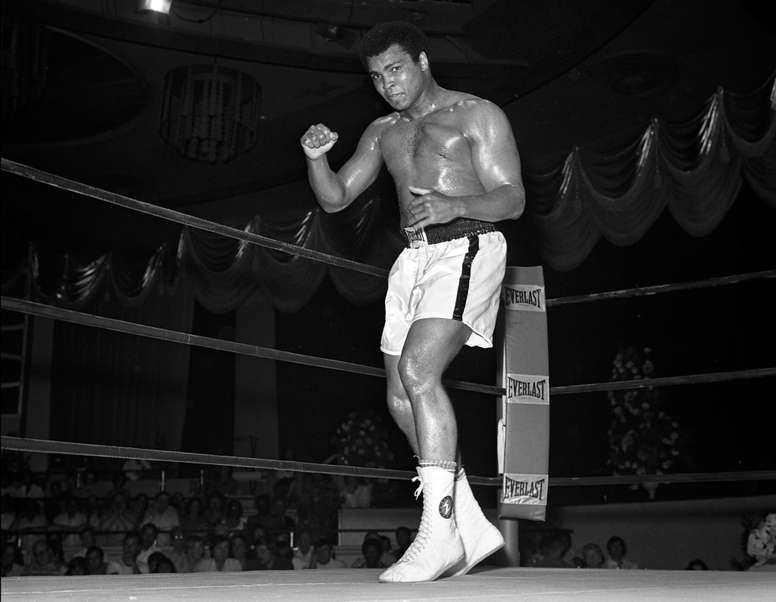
x,y
350,585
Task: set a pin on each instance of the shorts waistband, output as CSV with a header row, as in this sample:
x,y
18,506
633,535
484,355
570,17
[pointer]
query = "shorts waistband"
x,y
437,233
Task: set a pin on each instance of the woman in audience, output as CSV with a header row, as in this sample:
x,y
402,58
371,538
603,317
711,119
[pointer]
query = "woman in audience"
x,y
593,556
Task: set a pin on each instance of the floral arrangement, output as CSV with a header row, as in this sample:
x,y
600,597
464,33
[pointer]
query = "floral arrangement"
x,y
761,542
643,437
362,440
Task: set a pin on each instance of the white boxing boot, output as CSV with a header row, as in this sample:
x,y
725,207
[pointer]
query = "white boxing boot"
x,y
479,536
437,547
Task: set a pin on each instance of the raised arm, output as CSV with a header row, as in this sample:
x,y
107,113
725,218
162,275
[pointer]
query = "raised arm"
x,y
336,190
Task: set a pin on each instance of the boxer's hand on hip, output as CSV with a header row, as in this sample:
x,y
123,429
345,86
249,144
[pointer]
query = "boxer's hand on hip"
x,y
318,140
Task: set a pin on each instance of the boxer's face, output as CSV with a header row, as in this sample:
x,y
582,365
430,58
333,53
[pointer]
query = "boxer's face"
x,y
398,78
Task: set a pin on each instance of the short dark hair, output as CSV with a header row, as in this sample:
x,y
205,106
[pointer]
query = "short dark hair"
x,y
384,35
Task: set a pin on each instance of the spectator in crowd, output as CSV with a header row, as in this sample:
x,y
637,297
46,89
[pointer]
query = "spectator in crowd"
x,y
194,522
12,564
324,556
303,550
87,540
277,520
553,549
163,516
93,511
71,519
96,565
265,557
617,551
215,510
388,557
761,544
43,561
241,552
118,519
76,566
220,560
261,511
159,563
54,540
138,507
148,545
178,554
283,553
233,518
195,552
696,565
130,548
371,554
593,556
30,523
403,540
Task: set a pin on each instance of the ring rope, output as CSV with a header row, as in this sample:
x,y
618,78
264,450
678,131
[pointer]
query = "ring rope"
x,y
644,291
155,455
186,219
68,315
44,177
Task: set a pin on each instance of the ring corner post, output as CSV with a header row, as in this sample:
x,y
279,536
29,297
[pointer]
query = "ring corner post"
x,y
524,410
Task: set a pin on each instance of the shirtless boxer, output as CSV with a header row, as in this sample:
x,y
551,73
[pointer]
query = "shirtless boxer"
x,y
455,164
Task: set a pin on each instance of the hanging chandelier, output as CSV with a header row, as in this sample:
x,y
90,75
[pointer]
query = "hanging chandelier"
x,y
210,112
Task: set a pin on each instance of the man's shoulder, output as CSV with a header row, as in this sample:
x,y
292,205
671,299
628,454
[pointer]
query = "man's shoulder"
x,y
382,124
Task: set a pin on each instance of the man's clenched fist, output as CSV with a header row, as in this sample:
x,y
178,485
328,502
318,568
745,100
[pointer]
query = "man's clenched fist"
x,y
317,140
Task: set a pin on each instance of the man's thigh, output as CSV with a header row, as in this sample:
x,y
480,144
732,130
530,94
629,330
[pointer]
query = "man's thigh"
x,y
432,343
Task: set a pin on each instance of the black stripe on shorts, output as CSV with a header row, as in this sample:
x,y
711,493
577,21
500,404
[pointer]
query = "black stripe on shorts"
x,y
466,272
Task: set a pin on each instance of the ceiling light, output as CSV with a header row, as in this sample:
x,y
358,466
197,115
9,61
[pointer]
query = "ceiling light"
x,y
156,6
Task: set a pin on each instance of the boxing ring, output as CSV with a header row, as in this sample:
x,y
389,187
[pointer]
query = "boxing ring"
x,y
484,583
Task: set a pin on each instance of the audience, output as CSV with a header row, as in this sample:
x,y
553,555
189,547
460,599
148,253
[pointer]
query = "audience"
x,y
220,560
85,532
324,557
593,556
148,545
617,551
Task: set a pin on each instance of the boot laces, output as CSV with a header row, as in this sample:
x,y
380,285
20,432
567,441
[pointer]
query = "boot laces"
x,y
424,530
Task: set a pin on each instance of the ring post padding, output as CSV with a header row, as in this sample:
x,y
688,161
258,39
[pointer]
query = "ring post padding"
x,y
524,423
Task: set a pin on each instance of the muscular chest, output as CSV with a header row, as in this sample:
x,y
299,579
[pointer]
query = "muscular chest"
x,y
424,145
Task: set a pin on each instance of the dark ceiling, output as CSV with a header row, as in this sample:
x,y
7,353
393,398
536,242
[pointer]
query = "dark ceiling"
x,y
567,73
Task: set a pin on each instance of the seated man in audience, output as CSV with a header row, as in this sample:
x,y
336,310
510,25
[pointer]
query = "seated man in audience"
x,y
371,555
159,563
164,516
195,552
324,556
553,549
617,550
70,519
178,554
76,566
220,560
593,556
43,561
118,519
148,545
88,540
303,550
127,564
96,565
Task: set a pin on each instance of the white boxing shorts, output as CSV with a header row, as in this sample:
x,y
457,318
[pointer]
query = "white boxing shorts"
x,y
457,279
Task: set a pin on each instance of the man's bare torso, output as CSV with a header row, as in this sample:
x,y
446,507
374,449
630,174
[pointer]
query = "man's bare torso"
x,y
432,152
